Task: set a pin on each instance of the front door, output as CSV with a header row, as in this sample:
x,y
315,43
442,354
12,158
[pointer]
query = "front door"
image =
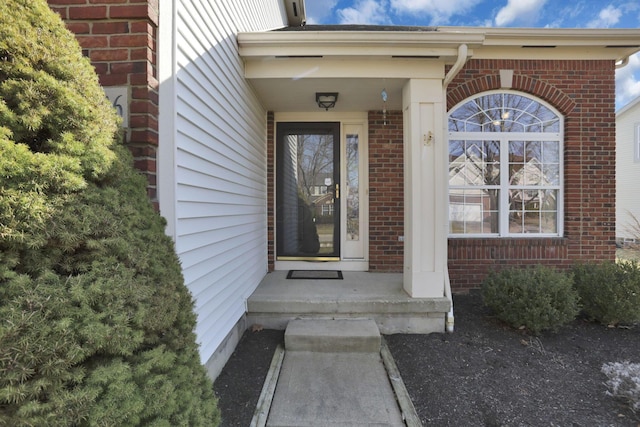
x,y
308,191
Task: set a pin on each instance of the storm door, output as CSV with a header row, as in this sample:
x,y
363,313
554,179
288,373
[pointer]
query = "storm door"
x,y
308,191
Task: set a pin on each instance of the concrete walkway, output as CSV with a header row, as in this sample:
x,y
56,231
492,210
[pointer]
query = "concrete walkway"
x,y
333,373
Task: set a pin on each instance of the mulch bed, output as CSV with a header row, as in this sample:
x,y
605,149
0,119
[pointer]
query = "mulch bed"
x,y
484,374
239,385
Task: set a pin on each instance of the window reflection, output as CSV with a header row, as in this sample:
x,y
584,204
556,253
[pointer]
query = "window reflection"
x,y
503,112
473,211
353,188
501,181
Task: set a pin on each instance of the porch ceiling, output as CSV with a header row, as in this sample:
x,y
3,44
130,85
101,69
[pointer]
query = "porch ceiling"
x,y
298,95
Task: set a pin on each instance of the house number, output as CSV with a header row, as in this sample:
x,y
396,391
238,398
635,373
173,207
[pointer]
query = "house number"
x,y
118,96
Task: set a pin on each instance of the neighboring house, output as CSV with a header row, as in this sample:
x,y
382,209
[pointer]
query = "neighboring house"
x,y
226,98
628,172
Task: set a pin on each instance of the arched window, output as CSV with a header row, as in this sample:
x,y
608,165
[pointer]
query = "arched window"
x,y
505,167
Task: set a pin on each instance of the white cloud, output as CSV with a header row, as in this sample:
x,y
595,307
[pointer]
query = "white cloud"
x,y
630,7
520,12
365,12
566,17
607,17
440,11
317,11
628,82
573,10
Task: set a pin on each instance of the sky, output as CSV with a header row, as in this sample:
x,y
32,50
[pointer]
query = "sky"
x,y
493,13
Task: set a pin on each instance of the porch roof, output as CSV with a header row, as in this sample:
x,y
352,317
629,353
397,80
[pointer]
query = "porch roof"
x,y
287,66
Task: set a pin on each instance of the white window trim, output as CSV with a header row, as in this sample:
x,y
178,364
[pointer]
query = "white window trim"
x,y
504,138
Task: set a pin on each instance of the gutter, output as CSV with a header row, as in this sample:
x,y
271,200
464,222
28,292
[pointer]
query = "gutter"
x,y
623,62
453,72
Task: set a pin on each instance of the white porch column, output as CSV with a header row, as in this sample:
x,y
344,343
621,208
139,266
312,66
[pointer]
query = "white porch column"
x,y
425,188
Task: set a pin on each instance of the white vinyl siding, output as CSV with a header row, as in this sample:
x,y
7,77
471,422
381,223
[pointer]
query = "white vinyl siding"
x,y
218,216
627,170
289,208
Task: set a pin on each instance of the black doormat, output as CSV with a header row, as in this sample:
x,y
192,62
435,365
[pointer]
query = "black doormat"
x,y
315,274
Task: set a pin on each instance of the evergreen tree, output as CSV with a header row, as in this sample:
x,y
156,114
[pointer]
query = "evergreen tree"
x,y
96,325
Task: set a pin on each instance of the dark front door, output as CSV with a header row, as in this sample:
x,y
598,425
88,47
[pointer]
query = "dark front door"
x,y
308,191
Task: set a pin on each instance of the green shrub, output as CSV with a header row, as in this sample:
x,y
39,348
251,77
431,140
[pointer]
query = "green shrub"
x,y
96,325
535,298
609,292
55,129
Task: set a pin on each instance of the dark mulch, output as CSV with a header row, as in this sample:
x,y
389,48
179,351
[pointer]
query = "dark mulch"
x,y
484,374
239,384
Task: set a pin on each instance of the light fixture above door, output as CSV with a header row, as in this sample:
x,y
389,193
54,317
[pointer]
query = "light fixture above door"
x,y
326,100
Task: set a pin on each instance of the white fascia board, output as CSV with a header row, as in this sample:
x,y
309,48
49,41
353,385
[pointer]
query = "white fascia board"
x,y
296,68
351,43
561,37
628,107
550,53
348,50
614,44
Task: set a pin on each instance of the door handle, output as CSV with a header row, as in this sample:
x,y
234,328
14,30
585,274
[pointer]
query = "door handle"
x,y
337,191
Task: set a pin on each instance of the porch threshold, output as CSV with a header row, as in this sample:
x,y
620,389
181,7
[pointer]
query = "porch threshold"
x,y
377,296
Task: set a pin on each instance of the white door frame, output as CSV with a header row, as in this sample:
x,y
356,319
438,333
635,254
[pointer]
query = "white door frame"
x,y
349,124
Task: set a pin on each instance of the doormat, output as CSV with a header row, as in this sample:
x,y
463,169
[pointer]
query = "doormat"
x,y
315,274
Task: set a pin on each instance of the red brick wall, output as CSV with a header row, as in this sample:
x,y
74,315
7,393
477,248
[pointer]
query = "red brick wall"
x,y
584,92
386,192
119,37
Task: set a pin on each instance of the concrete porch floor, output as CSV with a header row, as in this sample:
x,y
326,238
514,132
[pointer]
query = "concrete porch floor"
x,y
377,296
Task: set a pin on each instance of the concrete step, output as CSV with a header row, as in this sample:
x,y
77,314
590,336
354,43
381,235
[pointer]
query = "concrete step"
x,y
332,335
377,296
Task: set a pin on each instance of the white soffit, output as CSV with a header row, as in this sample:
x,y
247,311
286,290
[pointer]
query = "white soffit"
x,y
354,94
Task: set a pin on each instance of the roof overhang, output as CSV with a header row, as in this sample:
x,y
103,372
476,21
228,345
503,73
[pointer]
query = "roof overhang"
x,y
284,65
340,44
535,43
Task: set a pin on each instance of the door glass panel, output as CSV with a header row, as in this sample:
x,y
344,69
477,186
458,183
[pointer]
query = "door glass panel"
x,y
307,212
353,188
354,204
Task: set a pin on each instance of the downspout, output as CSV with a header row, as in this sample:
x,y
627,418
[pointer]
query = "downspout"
x,y
453,72
457,66
623,62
